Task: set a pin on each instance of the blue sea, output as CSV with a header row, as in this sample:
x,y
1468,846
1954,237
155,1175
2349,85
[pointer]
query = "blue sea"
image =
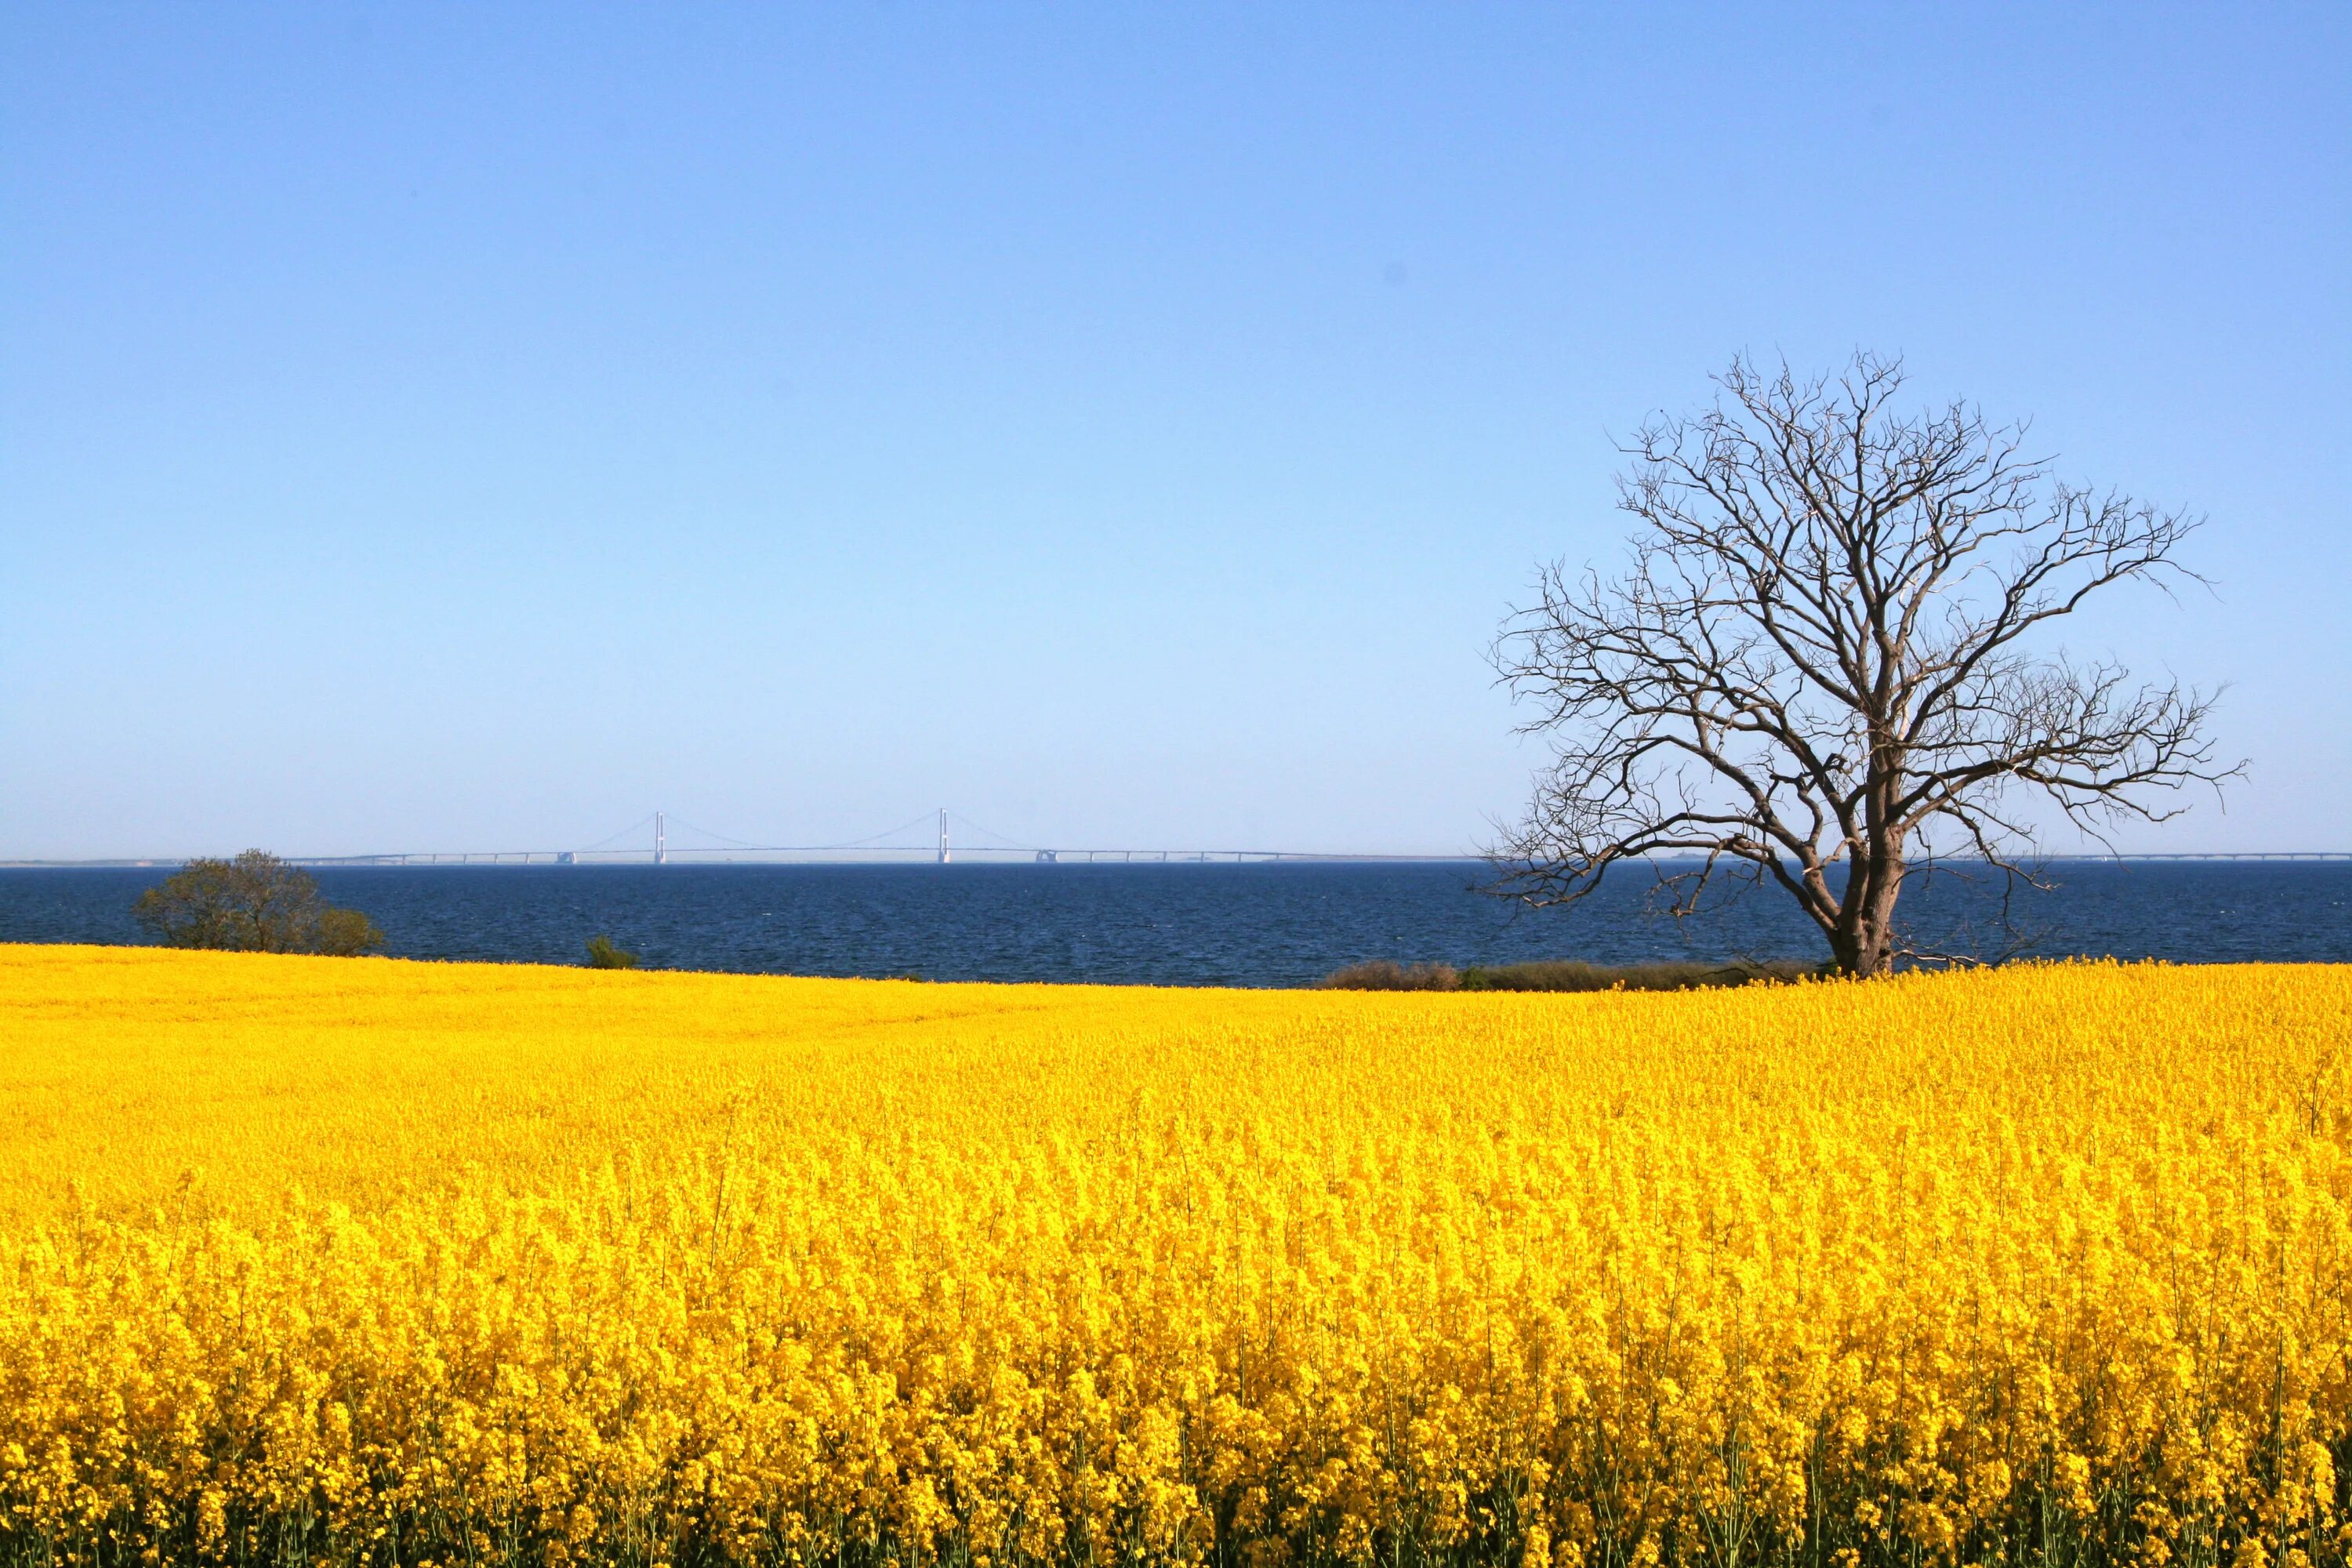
x,y
1256,924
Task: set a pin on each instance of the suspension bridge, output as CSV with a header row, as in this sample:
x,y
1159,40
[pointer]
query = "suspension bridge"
x,y
661,839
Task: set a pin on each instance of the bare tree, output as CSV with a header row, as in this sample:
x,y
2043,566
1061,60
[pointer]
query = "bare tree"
x,y
1819,671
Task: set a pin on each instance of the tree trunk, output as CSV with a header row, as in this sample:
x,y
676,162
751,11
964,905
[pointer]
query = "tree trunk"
x,y
1867,951
1862,941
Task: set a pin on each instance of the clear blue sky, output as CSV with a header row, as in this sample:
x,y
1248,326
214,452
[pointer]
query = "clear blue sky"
x,y
477,425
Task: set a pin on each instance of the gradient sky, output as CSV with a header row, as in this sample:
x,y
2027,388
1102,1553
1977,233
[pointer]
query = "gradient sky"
x,y
474,426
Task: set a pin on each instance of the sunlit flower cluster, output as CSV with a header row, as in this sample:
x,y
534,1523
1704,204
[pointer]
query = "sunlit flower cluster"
x,y
362,1261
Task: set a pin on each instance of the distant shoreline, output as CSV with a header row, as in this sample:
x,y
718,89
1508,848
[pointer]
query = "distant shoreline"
x,y
682,859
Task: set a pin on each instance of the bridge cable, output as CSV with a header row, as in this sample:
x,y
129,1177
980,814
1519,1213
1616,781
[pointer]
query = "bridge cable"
x,y
1003,840
645,821
861,843
723,838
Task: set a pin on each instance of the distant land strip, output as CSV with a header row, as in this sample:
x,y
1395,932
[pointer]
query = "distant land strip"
x,y
885,855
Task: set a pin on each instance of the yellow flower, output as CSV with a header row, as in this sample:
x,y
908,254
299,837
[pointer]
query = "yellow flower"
x,y
351,1260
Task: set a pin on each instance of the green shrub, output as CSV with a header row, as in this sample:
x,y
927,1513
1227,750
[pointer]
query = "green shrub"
x,y
1560,974
1573,975
603,954
1387,975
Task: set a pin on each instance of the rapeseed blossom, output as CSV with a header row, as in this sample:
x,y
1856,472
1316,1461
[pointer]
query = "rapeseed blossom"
x,y
363,1261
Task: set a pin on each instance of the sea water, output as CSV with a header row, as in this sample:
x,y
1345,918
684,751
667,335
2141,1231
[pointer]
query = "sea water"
x,y
1255,924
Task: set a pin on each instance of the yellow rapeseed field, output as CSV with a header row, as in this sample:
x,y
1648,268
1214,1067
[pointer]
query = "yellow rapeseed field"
x,y
362,1261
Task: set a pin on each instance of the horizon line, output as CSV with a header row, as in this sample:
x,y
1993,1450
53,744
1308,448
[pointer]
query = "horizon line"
x,y
792,854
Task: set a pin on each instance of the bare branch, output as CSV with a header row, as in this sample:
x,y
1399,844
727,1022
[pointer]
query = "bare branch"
x,y
1818,657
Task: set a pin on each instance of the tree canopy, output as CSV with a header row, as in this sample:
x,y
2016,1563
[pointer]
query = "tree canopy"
x,y
255,903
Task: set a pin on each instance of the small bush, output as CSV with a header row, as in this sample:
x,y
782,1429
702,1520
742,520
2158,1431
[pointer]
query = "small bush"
x,y
1387,975
1560,974
603,954
1571,974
